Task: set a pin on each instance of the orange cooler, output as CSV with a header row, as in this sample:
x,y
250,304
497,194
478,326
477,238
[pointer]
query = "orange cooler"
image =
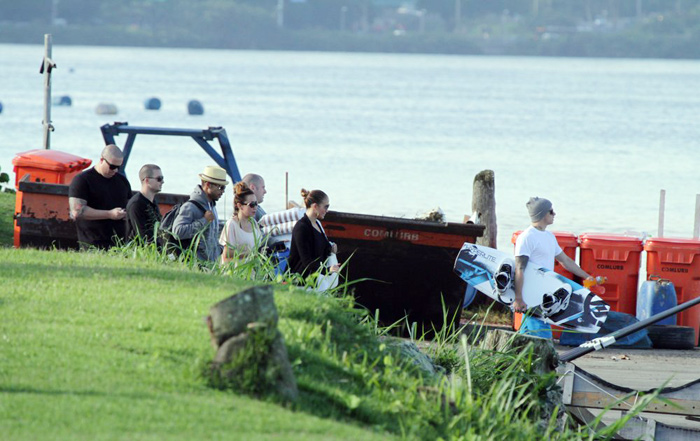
x,y
678,260
616,257
48,166
568,243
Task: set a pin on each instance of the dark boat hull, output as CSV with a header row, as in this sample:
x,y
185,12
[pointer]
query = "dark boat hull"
x,y
408,263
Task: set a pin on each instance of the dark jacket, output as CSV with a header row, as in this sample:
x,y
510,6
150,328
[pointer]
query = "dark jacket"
x,y
309,248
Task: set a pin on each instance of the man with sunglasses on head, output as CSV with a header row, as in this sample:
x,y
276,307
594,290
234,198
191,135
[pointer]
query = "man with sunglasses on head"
x,y
198,219
142,212
540,247
97,198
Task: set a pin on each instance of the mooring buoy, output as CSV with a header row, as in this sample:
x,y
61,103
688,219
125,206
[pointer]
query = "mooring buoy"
x,y
194,107
106,109
63,100
152,104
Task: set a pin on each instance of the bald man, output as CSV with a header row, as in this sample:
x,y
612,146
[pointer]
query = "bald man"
x,y
257,184
98,198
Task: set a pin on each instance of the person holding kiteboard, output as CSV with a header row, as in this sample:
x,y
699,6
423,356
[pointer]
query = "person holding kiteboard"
x,y
539,246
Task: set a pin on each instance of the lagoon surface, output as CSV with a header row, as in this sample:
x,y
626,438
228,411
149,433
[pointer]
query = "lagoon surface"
x,y
391,134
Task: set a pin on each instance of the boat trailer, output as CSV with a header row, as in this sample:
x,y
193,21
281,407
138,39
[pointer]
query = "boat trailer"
x,y
583,390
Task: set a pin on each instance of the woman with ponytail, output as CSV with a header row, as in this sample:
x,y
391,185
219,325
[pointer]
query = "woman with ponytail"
x,y
241,235
310,247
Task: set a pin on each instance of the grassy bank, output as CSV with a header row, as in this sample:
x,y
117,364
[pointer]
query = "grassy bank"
x,y
7,210
98,346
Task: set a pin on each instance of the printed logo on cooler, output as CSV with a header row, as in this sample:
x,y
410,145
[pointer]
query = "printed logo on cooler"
x,y
610,267
673,270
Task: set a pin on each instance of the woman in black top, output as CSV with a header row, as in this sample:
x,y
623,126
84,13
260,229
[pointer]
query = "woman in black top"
x,y
310,247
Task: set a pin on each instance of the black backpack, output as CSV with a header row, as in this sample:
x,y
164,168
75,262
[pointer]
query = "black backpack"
x,y
171,242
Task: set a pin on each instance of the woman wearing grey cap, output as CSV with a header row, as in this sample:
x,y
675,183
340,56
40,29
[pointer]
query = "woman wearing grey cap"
x,y
539,246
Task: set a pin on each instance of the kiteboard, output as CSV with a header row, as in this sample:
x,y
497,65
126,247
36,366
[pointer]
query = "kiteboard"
x,y
548,295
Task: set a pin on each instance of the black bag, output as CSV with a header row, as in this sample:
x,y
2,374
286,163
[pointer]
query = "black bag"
x,y
170,241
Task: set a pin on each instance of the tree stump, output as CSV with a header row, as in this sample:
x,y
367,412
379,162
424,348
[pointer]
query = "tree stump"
x,y
251,355
232,316
484,205
500,340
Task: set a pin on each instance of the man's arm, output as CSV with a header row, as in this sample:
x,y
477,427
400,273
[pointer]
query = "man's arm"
x,y
80,210
520,265
189,221
571,266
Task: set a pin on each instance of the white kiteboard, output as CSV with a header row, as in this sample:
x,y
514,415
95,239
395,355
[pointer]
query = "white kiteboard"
x,y
548,295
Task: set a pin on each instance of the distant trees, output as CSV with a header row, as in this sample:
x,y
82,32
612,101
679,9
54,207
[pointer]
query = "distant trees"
x,y
545,27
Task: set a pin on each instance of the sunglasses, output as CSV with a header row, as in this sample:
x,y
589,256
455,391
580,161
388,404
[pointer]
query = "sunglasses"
x,y
220,187
552,212
111,166
251,204
157,178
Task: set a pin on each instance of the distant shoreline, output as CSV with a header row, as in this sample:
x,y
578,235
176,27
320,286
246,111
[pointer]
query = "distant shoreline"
x,y
581,45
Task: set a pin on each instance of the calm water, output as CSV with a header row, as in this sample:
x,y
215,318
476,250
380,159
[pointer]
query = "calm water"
x,y
392,134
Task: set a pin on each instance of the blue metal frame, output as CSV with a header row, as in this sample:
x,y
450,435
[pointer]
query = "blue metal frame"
x,y
201,137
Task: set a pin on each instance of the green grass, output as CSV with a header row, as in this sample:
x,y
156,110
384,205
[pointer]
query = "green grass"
x,y
7,211
100,347
105,346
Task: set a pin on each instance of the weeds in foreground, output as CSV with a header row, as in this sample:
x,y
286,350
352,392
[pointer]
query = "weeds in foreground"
x,y
345,373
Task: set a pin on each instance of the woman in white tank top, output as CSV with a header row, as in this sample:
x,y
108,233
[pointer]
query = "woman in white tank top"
x,y
241,236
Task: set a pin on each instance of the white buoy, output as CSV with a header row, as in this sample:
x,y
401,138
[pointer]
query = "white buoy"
x,y
106,109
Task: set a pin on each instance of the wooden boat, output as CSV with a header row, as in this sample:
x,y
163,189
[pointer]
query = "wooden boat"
x,y
405,265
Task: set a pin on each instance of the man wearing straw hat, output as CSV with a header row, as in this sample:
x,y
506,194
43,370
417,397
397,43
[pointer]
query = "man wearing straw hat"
x,y
199,221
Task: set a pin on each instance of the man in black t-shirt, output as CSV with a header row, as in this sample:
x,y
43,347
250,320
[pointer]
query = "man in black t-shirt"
x,y
98,198
142,213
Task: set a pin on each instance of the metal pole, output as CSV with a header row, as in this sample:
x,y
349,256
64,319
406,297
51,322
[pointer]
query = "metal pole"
x,y
603,342
696,226
46,68
662,208
286,190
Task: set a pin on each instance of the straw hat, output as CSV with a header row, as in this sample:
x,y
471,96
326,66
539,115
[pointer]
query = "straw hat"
x,y
214,174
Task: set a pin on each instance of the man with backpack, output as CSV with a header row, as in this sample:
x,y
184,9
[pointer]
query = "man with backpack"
x,y
197,220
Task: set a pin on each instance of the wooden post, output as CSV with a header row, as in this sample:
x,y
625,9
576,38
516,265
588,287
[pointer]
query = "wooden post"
x,y
662,208
696,225
484,205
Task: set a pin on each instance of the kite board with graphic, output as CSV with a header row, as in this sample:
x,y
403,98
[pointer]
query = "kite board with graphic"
x,y
548,295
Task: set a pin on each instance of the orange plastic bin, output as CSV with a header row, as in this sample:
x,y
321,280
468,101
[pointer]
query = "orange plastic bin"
x,y
568,243
678,260
47,166
616,257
